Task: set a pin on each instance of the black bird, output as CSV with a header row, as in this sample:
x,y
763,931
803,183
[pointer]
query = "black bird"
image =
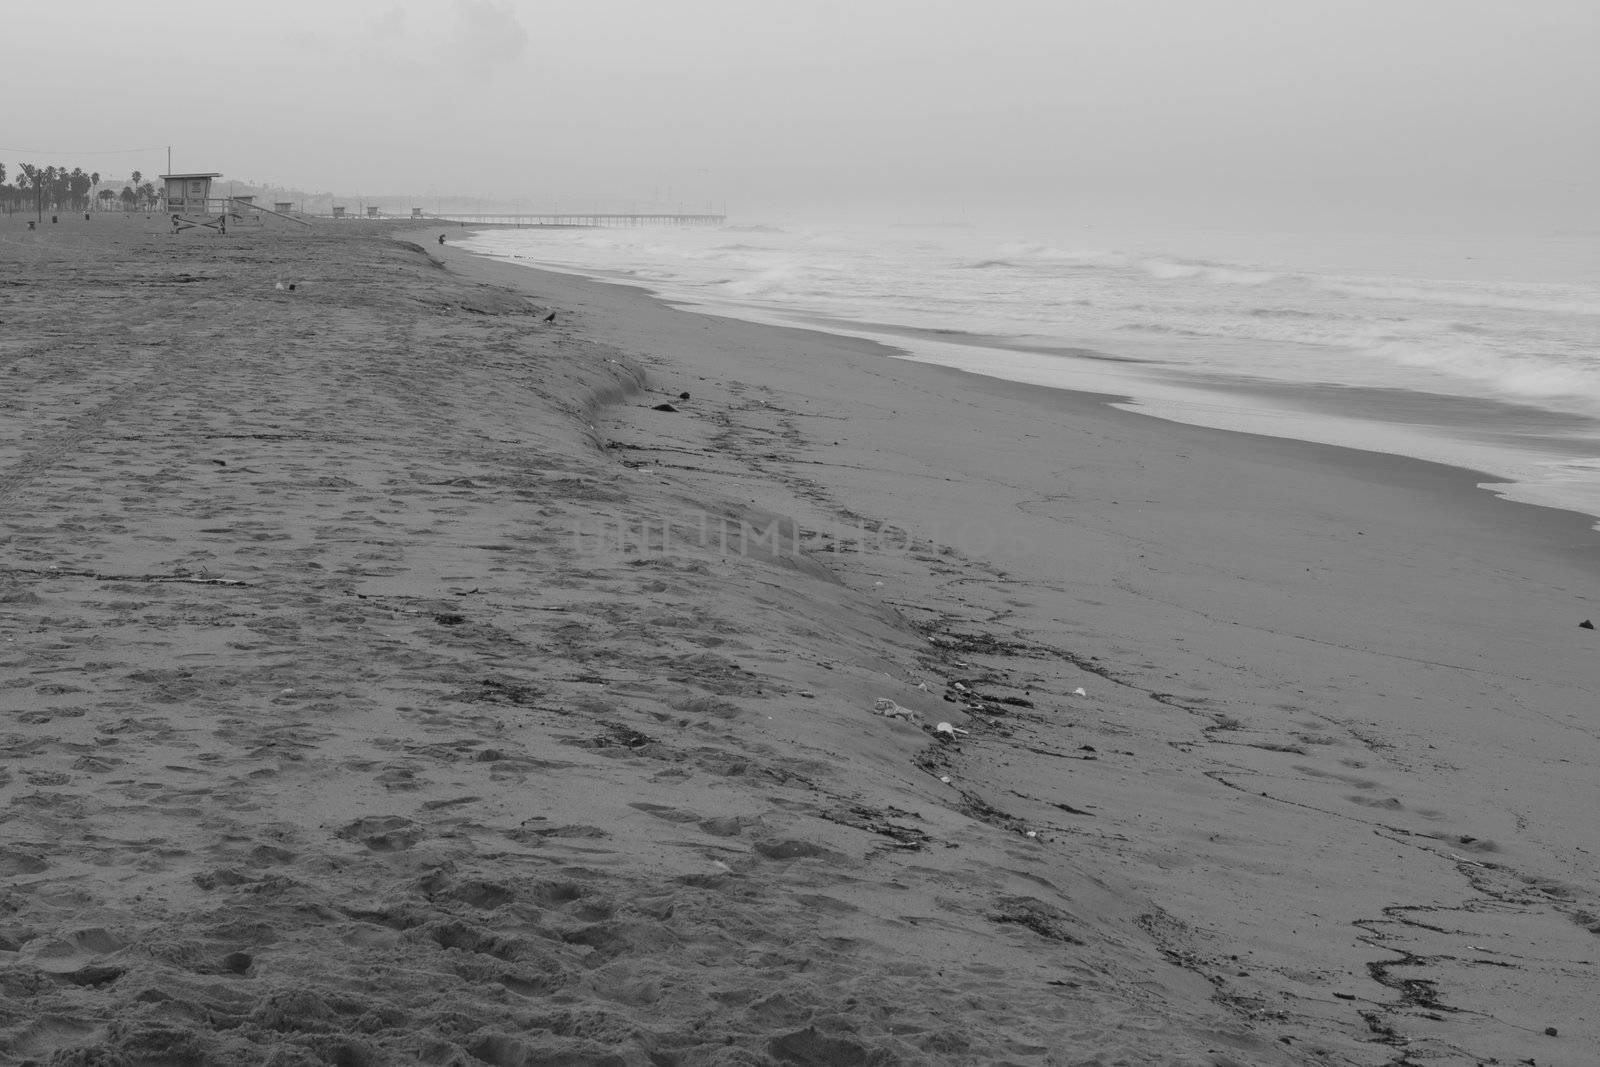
x,y
550,317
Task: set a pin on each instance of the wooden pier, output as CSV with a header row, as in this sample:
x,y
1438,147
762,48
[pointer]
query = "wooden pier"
x,y
588,219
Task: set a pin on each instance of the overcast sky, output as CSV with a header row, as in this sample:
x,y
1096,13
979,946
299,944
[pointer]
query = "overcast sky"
x,y
1466,106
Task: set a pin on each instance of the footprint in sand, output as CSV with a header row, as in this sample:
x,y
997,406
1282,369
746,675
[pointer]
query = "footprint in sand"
x,y
661,811
383,833
1389,804
14,864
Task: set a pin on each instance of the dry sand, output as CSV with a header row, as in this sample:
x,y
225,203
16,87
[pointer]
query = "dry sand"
x,y
376,687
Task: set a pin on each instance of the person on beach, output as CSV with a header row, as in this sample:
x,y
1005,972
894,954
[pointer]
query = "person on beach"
x,y
441,238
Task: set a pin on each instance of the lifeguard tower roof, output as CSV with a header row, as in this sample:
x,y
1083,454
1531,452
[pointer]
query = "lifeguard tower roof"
x,y
187,193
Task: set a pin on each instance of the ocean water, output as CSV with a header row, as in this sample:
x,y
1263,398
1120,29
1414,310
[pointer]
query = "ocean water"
x,y
1482,352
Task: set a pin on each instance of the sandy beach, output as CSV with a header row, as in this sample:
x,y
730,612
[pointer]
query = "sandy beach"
x,y
393,674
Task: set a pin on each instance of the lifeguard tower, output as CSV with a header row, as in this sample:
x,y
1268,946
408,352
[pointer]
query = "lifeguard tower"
x,y
189,202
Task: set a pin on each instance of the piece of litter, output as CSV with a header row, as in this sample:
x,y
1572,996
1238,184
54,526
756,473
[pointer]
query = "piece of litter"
x,y
877,583
889,709
1033,833
808,694
922,686
945,778
946,728
961,687
1080,692
286,692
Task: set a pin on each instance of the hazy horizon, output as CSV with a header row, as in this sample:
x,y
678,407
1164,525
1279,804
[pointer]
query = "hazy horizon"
x,y
1428,113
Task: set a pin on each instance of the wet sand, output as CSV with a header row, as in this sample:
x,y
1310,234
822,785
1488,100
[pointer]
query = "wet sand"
x,y
386,680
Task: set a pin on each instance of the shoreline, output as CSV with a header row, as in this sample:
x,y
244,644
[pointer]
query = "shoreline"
x,y
333,740
1312,412
1486,483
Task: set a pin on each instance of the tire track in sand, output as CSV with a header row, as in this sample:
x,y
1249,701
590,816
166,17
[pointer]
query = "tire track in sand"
x,y
50,451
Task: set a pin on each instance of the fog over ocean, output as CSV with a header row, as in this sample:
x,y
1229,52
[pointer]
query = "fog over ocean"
x,y
1478,351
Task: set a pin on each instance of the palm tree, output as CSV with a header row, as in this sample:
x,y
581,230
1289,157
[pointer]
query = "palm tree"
x,y
147,193
78,185
25,172
61,188
33,177
129,198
